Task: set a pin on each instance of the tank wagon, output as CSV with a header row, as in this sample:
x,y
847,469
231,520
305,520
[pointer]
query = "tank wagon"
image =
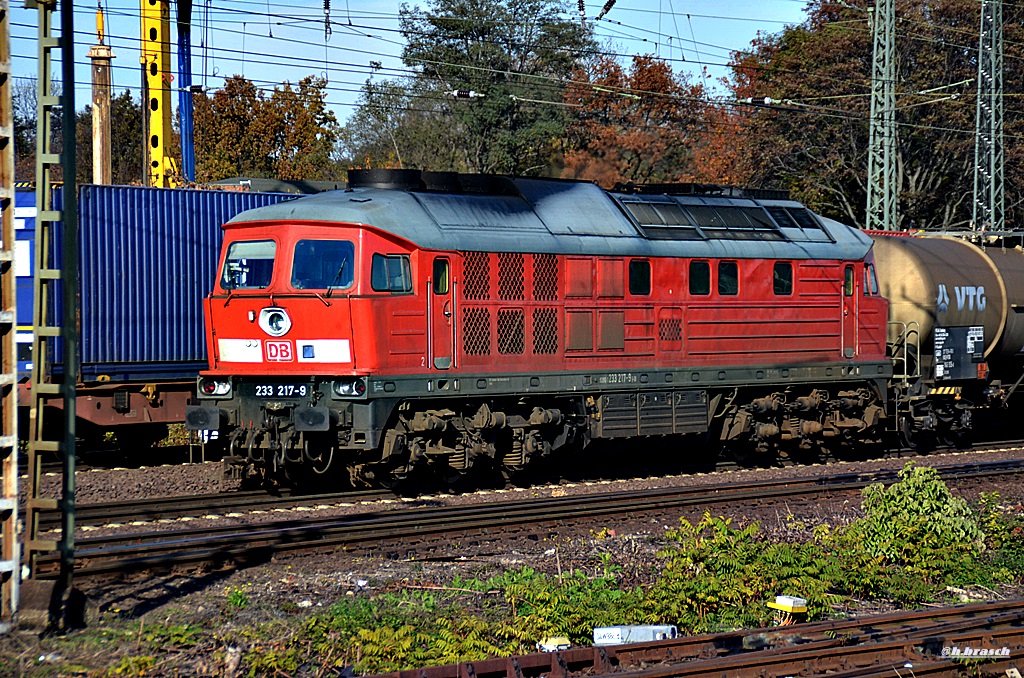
x,y
454,321
957,330
146,256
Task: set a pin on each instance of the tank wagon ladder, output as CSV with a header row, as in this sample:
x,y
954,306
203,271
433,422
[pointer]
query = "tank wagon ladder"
x,y
10,555
906,356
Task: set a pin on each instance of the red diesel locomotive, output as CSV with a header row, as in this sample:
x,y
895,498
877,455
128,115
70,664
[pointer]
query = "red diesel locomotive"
x,y
450,321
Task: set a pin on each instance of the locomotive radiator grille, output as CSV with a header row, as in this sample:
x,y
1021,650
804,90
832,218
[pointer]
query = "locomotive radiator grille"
x,y
477,285
545,277
545,331
476,335
510,277
511,331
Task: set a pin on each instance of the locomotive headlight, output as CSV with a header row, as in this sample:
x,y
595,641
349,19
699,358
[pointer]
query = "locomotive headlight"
x,y
349,388
275,321
212,388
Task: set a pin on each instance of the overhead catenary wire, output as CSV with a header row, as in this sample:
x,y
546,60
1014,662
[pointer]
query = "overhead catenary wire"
x,y
208,72
420,96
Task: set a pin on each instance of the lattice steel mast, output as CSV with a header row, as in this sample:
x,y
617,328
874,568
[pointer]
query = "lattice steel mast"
x,y
10,555
882,184
50,270
988,144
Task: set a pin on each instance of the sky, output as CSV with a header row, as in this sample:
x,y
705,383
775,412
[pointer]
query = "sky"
x,y
273,41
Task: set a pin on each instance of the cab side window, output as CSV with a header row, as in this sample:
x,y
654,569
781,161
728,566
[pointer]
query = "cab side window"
x,y
870,280
391,273
440,276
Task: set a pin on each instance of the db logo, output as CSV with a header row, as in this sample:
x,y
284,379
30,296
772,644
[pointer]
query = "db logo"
x,y
279,351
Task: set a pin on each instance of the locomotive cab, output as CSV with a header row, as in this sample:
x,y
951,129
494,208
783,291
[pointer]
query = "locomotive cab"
x,y
289,350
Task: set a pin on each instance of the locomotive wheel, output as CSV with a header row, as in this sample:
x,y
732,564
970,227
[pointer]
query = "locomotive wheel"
x,y
450,478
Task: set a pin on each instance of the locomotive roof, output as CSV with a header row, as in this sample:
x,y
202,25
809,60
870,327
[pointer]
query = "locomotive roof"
x,y
571,217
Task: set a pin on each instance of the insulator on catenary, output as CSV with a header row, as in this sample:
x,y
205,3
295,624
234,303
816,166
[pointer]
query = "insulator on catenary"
x,y
604,10
465,94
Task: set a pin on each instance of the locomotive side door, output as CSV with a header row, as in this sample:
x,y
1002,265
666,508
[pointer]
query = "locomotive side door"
x,y
849,319
440,311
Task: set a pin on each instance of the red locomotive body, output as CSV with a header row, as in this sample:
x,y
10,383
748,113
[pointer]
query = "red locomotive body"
x,y
458,321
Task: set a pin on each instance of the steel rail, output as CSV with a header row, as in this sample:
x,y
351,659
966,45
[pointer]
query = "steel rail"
x,y
169,508
801,649
409,530
166,508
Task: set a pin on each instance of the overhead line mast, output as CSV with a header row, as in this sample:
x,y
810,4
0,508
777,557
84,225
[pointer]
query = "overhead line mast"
x,y
988,144
882,183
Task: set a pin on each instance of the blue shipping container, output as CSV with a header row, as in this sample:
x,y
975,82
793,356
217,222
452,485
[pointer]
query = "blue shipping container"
x,y
147,258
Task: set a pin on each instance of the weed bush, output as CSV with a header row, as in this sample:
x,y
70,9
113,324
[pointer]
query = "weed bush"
x,y
918,525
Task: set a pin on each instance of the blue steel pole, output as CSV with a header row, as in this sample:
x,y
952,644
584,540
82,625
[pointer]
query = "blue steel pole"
x,y
188,151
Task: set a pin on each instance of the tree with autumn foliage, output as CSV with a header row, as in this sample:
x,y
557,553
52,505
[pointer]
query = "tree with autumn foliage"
x,y
807,93
485,92
634,125
242,130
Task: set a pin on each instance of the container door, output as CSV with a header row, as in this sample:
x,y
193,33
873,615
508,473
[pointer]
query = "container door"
x,y
441,311
850,296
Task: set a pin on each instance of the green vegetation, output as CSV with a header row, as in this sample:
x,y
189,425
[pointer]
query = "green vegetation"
x,y
913,541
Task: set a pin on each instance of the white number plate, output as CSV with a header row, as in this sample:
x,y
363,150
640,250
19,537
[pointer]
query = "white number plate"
x,y
283,390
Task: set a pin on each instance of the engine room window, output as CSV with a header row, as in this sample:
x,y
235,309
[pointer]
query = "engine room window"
x,y
728,278
783,278
700,277
639,277
323,264
249,265
391,273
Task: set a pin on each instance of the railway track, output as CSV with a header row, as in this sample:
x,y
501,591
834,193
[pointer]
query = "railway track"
x,y
142,511
418,530
869,646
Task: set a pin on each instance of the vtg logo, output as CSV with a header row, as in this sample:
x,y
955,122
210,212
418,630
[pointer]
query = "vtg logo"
x,y
279,351
973,298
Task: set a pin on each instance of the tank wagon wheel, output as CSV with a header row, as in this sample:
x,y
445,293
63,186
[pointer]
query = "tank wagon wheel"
x,y
905,427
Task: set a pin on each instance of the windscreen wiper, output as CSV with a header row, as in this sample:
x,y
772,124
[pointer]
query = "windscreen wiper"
x,y
337,278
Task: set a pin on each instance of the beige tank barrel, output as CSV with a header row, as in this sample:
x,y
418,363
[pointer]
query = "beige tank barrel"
x,y
1010,264
946,282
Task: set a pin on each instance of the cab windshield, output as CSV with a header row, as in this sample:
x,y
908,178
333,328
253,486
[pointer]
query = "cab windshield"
x,y
323,265
249,265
